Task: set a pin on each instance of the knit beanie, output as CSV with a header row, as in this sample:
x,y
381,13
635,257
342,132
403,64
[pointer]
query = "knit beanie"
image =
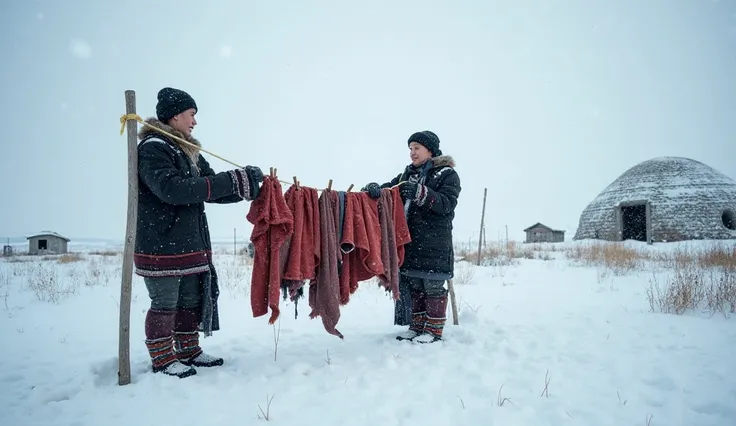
x,y
429,140
172,102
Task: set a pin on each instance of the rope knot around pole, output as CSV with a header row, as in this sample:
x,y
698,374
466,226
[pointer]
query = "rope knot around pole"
x,y
124,119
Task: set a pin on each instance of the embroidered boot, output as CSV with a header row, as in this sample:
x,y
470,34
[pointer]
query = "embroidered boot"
x,y
186,341
436,318
159,341
418,317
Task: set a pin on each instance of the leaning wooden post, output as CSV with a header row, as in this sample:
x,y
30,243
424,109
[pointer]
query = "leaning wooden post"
x,y
127,278
482,219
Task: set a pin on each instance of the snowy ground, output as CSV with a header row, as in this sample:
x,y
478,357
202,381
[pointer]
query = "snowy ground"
x,y
586,337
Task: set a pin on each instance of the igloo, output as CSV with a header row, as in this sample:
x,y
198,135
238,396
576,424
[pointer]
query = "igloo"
x,y
663,199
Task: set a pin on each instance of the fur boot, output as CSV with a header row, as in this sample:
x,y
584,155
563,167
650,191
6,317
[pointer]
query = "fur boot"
x,y
435,321
186,341
160,344
418,317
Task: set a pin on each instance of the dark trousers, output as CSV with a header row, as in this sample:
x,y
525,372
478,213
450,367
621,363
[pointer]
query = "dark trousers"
x,y
413,295
175,305
170,293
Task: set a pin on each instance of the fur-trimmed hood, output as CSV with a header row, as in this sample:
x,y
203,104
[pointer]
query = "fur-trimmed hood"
x,y
443,161
190,151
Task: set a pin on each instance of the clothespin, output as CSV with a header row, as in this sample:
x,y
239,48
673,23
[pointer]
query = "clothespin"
x,y
296,183
350,187
329,185
270,171
275,172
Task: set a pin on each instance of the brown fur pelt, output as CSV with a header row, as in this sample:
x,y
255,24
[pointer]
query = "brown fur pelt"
x,y
443,160
190,151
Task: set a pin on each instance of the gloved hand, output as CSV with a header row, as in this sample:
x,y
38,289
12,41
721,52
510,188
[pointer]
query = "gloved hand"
x,y
255,176
247,180
408,190
373,190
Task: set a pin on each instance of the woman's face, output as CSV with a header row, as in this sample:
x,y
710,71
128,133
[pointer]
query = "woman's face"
x,y
185,121
418,154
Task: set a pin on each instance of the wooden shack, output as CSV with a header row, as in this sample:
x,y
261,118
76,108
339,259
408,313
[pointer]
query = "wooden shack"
x,y
47,242
539,233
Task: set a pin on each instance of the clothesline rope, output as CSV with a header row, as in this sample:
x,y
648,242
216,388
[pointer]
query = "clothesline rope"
x,y
125,117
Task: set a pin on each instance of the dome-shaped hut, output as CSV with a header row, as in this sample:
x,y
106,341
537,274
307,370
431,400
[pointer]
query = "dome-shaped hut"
x,y
663,199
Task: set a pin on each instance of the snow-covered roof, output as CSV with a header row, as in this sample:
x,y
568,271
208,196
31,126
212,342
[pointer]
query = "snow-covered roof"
x,y
687,200
47,234
539,224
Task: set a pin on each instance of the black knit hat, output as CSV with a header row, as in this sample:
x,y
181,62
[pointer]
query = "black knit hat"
x,y
429,140
172,102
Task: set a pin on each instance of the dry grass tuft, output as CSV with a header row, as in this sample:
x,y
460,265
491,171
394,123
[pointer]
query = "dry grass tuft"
x,y
464,273
716,254
693,287
70,258
105,253
498,254
46,284
614,256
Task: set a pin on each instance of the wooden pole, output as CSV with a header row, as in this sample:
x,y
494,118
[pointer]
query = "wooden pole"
x,y
453,303
482,219
127,278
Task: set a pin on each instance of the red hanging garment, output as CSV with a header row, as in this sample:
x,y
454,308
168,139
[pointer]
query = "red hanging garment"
x,y
301,252
273,223
360,244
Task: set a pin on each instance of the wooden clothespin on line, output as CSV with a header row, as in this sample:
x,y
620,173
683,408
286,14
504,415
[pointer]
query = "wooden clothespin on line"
x,y
329,185
296,183
350,187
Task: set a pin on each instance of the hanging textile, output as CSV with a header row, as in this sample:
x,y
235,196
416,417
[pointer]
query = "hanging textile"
x,y
324,288
273,223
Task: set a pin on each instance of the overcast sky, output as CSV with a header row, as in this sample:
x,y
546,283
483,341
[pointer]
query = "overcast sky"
x,y
542,102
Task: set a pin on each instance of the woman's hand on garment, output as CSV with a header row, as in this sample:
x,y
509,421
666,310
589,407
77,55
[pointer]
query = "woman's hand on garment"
x,y
408,190
373,190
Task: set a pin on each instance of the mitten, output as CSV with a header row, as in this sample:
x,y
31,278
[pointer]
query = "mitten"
x,y
254,173
246,182
415,192
408,190
255,176
373,190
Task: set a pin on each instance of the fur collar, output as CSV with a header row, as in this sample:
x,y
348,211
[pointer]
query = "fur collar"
x,y
443,161
190,151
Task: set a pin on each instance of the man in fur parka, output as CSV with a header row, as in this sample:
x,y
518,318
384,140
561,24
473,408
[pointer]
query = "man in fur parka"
x,y
173,251
430,188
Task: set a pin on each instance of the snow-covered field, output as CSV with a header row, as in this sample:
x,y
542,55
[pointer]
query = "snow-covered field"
x,y
540,342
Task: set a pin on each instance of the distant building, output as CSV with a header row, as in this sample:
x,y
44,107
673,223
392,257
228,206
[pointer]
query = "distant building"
x,y
539,233
47,242
663,199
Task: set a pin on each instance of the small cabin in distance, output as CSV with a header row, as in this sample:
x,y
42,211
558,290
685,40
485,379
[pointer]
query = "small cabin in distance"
x,y
539,233
47,242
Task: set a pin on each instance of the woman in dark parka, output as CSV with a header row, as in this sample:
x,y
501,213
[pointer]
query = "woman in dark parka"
x,y
430,187
173,251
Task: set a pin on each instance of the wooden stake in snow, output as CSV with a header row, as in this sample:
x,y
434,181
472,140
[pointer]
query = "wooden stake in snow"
x,y
453,304
482,219
127,278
